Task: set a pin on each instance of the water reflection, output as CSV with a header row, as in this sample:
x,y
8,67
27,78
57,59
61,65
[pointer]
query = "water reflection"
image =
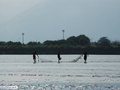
x,y
62,86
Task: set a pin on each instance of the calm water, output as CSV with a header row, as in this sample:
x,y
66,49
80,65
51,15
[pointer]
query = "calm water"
x,y
101,72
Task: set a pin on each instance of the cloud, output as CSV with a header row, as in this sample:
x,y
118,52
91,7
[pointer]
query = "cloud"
x,y
10,8
47,20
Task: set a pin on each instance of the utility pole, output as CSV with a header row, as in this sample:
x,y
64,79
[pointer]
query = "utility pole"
x,y
63,34
23,38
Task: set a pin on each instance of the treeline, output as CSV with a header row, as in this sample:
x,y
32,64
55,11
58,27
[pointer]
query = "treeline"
x,y
72,45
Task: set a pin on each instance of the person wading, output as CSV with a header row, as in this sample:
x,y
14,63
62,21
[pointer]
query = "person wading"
x,y
34,56
59,58
85,56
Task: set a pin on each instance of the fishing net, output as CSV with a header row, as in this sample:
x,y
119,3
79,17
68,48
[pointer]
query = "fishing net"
x,y
48,61
76,59
45,60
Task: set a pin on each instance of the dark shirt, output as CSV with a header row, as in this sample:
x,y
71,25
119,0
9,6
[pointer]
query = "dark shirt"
x,y
34,57
59,56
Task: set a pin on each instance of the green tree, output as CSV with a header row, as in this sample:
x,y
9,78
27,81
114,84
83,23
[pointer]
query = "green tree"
x,y
48,43
82,40
71,40
104,42
33,44
2,43
115,44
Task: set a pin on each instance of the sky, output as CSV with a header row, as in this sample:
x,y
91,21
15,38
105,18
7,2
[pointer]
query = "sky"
x,y
11,8
42,20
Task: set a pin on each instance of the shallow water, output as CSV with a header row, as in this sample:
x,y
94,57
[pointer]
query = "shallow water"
x,y
101,72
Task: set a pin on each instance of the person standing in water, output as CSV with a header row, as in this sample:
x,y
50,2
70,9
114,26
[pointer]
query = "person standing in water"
x,y
34,56
59,58
85,56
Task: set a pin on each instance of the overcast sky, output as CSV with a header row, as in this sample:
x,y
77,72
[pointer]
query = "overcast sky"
x,y
11,8
94,18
